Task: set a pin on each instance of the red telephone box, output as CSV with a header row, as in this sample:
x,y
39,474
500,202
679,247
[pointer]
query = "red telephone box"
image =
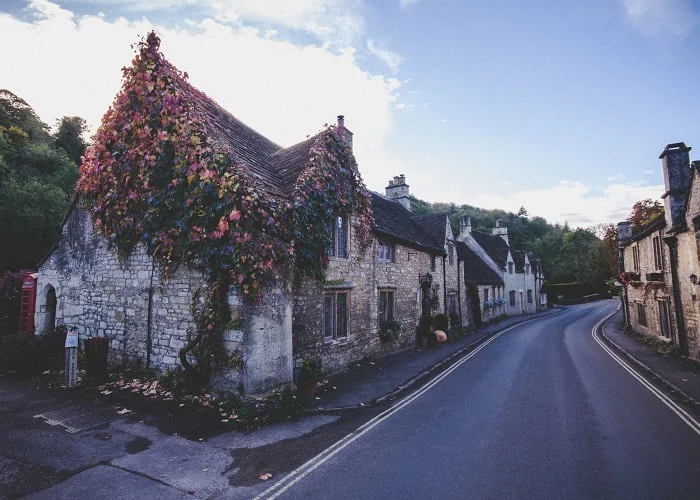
x,y
27,304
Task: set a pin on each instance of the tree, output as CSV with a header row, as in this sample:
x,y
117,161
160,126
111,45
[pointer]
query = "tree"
x,y
69,136
643,212
36,181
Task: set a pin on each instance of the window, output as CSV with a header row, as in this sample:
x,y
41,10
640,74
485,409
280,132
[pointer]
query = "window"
x,y
335,312
451,303
664,319
386,306
432,263
510,268
635,258
527,268
658,255
385,252
451,254
641,314
529,296
486,294
511,296
339,237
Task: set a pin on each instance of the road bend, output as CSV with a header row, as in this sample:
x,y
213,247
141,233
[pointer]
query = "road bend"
x,y
542,411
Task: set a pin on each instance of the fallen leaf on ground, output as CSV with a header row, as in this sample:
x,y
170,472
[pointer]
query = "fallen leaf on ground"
x,y
266,476
124,411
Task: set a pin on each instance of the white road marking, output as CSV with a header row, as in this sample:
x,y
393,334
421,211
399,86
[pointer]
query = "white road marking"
x,y
682,414
304,470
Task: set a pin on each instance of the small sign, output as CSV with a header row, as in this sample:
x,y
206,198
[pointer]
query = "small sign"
x,y
72,337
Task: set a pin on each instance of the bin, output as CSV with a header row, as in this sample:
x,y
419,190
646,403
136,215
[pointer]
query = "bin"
x,y
96,357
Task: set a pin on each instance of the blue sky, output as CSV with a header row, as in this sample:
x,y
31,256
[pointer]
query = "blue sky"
x,y
559,106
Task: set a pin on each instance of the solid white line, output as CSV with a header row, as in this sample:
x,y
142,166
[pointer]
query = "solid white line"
x,y
311,465
680,412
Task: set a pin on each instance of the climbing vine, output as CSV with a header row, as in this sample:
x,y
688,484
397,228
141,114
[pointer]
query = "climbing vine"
x,y
154,176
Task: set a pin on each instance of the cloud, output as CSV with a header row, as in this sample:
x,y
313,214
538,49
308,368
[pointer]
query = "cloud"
x,y
337,22
404,4
391,59
69,64
575,203
660,17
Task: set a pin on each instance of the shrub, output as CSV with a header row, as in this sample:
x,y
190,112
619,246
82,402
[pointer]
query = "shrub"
x,y
442,322
454,320
19,353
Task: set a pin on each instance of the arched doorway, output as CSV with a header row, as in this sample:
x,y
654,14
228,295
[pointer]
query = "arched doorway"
x,y
50,308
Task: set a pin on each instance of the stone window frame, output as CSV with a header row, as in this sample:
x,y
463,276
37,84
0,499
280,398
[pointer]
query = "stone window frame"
x,y
511,297
339,248
658,253
641,313
344,323
664,319
389,312
386,252
529,296
635,258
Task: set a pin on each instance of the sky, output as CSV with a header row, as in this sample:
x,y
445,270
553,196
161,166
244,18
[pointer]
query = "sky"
x,y
559,106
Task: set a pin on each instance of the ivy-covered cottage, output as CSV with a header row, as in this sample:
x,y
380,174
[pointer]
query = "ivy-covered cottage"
x,y
660,262
195,241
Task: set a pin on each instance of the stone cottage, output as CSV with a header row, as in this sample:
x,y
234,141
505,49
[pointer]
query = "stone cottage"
x,y
194,196
521,284
660,262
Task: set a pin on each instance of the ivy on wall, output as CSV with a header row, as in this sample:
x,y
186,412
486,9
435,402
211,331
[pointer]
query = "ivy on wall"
x,y
153,175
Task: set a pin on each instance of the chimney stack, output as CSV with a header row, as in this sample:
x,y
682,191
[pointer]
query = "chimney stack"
x,y
500,230
624,232
677,176
344,134
397,191
465,227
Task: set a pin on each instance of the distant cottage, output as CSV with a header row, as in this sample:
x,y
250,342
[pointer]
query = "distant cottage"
x,y
180,201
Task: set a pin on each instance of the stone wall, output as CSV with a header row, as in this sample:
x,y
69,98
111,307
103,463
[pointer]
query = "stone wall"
x,y
363,276
127,300
636,288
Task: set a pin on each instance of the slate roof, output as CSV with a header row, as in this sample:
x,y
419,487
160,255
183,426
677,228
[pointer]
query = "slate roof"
x,y
519,259
434,225
476,271
495,247
394,222
271,166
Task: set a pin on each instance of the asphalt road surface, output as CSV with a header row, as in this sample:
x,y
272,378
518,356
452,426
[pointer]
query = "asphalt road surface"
x,y
542,411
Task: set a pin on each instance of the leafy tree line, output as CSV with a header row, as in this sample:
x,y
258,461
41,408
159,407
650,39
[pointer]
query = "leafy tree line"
x,y
38,171
567,255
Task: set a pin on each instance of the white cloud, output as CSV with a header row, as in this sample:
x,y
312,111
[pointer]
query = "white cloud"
x,y
71,65
337,22
576,203
407,3
391,59
659,17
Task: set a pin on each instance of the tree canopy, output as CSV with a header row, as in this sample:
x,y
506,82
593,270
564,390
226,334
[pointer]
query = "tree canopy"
x,y
578,255
36,180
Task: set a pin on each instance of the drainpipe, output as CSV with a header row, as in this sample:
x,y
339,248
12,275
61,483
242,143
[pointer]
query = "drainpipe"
x,y
672,242
444,284
149,326
459,295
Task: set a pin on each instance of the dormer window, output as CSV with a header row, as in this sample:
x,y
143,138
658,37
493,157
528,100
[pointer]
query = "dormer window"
x,y
339,237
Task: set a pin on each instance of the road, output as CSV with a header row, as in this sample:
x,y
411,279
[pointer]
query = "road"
x,y
542,411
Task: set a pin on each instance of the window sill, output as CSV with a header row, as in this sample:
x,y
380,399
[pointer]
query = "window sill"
x,y
338,285
340,342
